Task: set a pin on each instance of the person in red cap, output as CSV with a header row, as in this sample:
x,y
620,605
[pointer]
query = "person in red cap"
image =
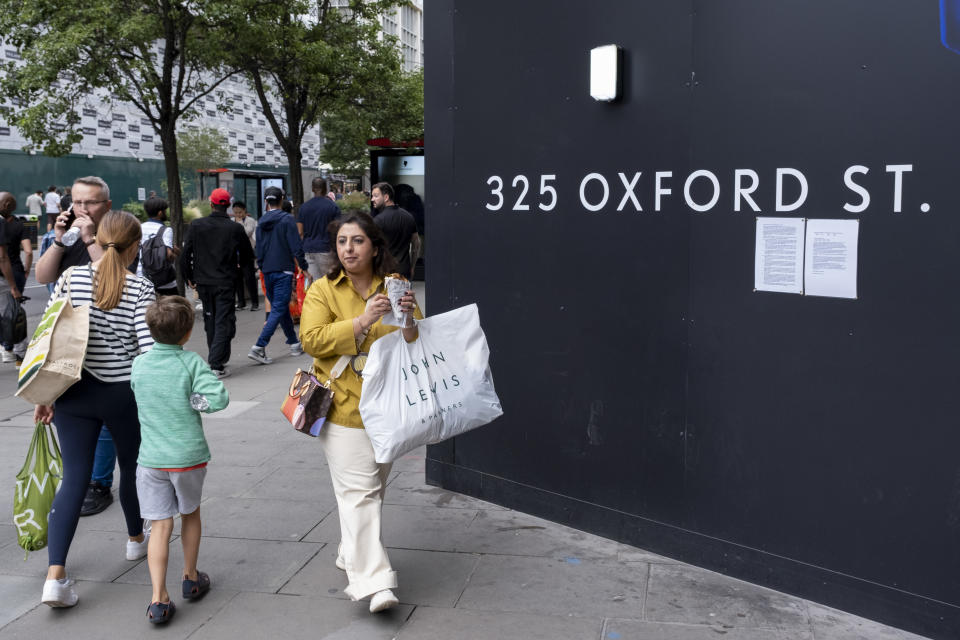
x,y
213,253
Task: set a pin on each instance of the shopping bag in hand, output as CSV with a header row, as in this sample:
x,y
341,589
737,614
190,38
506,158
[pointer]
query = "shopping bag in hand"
x,y
435,388
37,484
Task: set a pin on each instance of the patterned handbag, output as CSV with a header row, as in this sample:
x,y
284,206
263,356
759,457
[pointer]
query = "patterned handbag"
x,y
307,401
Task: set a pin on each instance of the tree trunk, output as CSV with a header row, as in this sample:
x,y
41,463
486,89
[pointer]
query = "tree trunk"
x,y
168,140
294,158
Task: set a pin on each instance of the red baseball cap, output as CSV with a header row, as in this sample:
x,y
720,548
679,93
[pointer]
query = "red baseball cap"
x,y
220,196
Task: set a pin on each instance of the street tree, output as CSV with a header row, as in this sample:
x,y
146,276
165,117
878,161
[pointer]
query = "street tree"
x,y
162,57
307,58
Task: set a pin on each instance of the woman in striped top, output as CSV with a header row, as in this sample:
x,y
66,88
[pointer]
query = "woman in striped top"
x,y
118,333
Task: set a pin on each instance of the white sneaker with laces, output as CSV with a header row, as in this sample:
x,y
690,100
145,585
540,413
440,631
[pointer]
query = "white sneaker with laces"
x,y
383,600
296,349
137,550
8,356
59,593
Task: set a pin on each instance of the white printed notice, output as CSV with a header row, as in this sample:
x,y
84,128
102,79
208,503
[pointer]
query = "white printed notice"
x,y
778,264
831,264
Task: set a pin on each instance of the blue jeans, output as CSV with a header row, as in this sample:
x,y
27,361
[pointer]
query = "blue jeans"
x,y
105,459
278,285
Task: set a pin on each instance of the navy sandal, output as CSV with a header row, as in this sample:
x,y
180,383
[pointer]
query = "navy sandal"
x,y
193,589
160,612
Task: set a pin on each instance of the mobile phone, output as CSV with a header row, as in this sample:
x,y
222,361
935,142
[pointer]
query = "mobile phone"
x,y
71,216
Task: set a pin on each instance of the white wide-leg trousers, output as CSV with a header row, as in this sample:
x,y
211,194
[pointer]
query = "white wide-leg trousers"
x,y
359,484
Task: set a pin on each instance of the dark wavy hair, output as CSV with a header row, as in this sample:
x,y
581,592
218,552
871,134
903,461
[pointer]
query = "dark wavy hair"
x,y
383,262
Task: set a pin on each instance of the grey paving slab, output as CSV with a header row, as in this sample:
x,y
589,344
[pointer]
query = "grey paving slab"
x,y
550,586
295,482
228,481
681,593
415,461
238,565
627,629
262,519
233,410
512,532
831,624
428,623
18,595
427,528
8,535
112,611
257,615
409,488
98,556
429,578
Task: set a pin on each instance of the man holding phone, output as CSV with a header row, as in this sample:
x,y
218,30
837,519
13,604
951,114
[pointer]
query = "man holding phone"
x,y
91,201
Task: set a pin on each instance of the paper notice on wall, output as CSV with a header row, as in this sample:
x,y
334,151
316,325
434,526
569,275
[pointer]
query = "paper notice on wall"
x,y
831,262
778,263
141,193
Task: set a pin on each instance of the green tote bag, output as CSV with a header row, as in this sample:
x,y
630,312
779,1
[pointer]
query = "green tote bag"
x,y
37,484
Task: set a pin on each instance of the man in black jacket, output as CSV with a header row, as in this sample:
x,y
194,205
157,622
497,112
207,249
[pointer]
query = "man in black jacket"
x,y
214,251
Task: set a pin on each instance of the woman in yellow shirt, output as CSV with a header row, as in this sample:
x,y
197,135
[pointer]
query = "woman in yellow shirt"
x,y
341,316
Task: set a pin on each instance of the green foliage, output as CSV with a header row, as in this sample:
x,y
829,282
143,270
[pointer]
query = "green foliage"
x,y
197,149
197,208
306,59
396,112
356,201
136,208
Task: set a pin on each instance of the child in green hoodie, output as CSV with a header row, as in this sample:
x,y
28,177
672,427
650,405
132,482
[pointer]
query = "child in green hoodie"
x,y
172,385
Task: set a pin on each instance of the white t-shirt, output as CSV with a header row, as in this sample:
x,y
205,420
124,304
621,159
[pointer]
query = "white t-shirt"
x,y
34,204
149,229
53,202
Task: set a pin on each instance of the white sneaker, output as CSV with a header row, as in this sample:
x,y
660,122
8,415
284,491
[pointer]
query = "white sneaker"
x,y
137,550
383,600
296,349
259,354
59,593
8,356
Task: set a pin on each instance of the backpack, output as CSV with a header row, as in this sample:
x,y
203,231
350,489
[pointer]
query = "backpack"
x,y
153,257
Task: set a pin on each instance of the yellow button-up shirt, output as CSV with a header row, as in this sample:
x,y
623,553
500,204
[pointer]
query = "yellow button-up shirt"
x,y
326,331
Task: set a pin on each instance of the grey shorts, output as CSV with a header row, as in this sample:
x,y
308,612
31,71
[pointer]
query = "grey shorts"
x,y
164,494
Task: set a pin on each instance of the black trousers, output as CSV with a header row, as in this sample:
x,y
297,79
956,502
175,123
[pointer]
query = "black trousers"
x,y
247,279
219,321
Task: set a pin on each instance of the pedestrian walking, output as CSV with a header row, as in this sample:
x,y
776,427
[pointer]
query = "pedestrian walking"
x,y
313,220
213,253
247,280
342,317
52,203
118,301
35,204
279,251
158,256
399,227
13,241
173,450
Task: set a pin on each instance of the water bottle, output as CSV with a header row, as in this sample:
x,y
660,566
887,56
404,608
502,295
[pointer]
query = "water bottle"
x,y
199,402
71,236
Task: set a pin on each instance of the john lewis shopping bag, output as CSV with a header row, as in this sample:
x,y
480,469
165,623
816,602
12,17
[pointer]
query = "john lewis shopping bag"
x,y
37,484
435,388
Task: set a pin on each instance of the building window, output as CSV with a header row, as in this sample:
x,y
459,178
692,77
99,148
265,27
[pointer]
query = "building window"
x,y
134,145
87,111
248,120
259,145
259,159
242,156
119,117
13,54
120,134
249,136
134,127
146,137
103,142
89,131
104,124
146,122
4,131
232,134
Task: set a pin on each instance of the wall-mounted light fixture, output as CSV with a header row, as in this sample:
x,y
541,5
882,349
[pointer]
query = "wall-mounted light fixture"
x,y
605,64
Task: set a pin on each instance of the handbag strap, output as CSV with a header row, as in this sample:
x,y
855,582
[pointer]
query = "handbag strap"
x,y
340,367
64,282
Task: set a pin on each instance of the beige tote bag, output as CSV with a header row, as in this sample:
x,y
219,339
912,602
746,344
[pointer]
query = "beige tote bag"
x,y
54,358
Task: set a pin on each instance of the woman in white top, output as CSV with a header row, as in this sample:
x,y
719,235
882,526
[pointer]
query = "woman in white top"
x,y
118,333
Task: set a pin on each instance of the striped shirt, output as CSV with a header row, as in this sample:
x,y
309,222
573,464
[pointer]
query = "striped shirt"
x,y
116,336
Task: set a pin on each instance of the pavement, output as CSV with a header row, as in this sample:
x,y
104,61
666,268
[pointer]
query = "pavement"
x,y
468,569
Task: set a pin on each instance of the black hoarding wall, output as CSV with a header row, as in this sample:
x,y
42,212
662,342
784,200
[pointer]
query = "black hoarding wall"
x,y
650,394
